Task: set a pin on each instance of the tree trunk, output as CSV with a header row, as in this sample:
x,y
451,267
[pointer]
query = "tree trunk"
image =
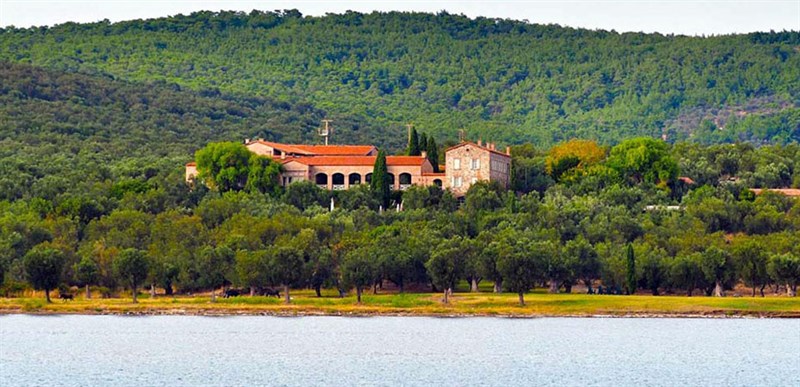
x,y
152,290
358,295
286,298
498,286
133,289
47,295
690,292
402,286
318,290
213,294
791,290
568,288
252,291
168,289
521,299
762,289
718,290
473,285
553,286
88,293
446,301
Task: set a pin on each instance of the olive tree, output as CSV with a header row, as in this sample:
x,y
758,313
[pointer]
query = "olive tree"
x,y
785,268
86,272
446,265
43,267
358,270
132,266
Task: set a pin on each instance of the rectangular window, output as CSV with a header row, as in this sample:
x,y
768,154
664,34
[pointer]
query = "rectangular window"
x,y
456,163
476,163
458,182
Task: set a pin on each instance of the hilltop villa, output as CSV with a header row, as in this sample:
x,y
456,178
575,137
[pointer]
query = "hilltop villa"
x,y
338,167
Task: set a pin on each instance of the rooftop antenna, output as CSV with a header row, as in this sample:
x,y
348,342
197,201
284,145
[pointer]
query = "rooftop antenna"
x,y
326,131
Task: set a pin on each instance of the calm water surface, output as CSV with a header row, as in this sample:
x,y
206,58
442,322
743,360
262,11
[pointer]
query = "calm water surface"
x,y
392,351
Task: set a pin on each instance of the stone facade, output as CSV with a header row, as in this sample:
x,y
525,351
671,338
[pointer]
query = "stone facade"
x,y
468,163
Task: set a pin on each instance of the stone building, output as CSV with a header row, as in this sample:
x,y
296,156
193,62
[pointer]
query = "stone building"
x,y
339,167
468,163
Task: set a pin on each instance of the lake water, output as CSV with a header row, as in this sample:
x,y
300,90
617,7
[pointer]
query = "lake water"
x,y
392,351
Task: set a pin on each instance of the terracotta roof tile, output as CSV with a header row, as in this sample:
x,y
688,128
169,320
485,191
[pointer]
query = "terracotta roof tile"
x,y
355,160
791,192
337,150
321,150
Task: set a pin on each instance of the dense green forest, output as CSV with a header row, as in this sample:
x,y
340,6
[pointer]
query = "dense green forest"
x,y
97,120
504,80
619,219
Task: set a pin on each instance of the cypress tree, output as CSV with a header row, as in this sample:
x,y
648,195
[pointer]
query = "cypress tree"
x,y
631,270
413,143
423,142
380,180
433,153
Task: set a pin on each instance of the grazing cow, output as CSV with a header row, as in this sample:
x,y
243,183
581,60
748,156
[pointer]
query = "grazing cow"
x,y
66,296
232,293
270,292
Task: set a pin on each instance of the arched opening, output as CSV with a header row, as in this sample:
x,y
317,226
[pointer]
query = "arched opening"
x,y
437,182
354,179
405,180
338,181
368,178
322,180
390,178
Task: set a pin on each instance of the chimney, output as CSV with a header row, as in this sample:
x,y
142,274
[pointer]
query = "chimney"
x,y
283,155
508,150
480,142
423,154
491,146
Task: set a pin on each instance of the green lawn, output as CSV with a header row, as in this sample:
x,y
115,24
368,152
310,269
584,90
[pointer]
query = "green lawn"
x,y
484,303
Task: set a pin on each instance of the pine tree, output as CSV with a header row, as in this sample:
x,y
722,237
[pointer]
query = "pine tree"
x,y
413,143
380,180
630,280
433,153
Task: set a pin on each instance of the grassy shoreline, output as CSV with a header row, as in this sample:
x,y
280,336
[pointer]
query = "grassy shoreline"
x,y
305,303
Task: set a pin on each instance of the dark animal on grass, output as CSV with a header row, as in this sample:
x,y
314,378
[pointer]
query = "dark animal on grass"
x,y
66,296
232,293
269,292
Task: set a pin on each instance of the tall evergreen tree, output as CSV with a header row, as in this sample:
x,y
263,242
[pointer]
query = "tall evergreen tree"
x,y
413,143
423,142
630,277
380,179
433,153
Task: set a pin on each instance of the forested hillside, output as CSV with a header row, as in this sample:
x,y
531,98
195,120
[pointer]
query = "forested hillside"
x,y
503,80
57,126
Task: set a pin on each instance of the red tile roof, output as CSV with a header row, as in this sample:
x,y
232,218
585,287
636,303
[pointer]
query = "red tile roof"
x,y
355,160
191,164
791,192
337,150
322,150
